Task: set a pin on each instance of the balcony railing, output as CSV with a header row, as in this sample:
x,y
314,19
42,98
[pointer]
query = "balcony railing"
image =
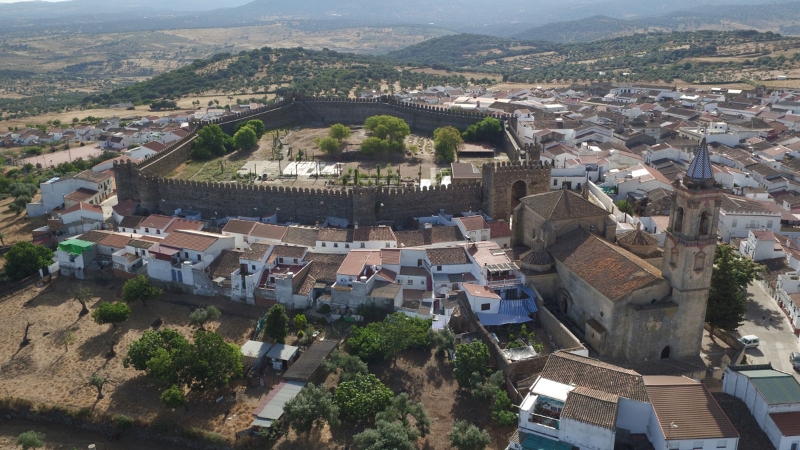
x,y
544,420
496,282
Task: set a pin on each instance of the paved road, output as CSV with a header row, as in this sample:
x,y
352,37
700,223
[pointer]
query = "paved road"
x,y
777,338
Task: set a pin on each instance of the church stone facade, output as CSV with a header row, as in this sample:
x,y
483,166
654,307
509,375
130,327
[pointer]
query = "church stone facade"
x,y
628,309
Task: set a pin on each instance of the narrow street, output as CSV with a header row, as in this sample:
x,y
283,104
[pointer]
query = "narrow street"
x,y
777,338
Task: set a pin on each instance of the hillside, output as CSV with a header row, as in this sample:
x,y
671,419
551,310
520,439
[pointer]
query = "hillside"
x,y
702,56
778,17
584,30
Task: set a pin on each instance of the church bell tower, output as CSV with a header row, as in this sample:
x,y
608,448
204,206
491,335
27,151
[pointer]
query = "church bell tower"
x,y
689,247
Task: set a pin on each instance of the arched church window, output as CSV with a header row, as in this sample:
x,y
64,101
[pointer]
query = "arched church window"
x,y
704,224
677,225
700,262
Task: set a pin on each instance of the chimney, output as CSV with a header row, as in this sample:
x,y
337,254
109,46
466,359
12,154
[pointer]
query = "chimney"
x,y
355,225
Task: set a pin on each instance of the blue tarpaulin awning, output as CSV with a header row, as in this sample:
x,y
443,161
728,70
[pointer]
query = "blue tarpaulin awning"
x,y
488,319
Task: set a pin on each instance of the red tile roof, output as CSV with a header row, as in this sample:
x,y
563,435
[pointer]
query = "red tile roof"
x,y
190,240
788,423
610,269
116,240
689,406
473,223
126,207
357,259
268,231
498,229
156,221
237,226
185,224
83,207
81,194
379,233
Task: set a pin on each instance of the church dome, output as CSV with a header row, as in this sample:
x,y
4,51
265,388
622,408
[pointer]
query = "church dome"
x,y
538,259
638,242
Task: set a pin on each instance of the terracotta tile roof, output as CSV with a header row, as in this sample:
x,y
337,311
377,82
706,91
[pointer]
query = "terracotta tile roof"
x,y
140,243
740,204
566,368
325,258
81,194
637,237
301,236
610,269
499,229
225,264
390,255
448,255
92,176
592,407
335,235
256,251
473,223
83,207
156,221
126,207
323,268
286,251
93,236
355,261
689,406
115,240
155,146
269,231
185,224
387,275
379,233
131,222
236,226
562,204
429,236
788,423
191,241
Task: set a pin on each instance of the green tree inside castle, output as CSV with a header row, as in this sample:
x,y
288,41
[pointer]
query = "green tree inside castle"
x,y
388,134
211,142
727,300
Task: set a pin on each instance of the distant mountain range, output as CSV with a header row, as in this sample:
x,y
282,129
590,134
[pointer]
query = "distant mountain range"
x,y
563,21
780,18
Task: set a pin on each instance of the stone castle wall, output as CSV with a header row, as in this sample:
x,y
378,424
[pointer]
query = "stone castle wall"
x,y
147,180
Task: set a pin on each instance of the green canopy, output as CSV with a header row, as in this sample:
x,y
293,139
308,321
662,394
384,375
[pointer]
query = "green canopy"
x,y
75,246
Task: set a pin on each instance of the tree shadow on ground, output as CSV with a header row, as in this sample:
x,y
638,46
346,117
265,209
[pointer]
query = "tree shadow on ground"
x,y
99,344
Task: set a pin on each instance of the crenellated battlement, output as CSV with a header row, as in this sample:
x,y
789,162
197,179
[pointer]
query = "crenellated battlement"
x,y
147,179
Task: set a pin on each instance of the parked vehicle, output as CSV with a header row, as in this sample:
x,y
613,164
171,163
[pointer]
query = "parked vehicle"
x,y
749,341
795,359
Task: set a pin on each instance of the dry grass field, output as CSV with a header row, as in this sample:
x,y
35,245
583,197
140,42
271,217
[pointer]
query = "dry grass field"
x,y
47,372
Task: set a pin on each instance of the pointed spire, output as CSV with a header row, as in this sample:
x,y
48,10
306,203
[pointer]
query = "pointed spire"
x,y
700,173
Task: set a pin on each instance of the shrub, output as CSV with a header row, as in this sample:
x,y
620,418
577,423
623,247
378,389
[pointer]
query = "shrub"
x,y
324,309
122,421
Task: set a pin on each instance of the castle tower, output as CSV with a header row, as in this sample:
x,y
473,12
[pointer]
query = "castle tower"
x,y
689,248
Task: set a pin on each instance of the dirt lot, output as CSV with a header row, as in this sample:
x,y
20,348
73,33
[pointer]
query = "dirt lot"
x,y
17,227
409,164
46,372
